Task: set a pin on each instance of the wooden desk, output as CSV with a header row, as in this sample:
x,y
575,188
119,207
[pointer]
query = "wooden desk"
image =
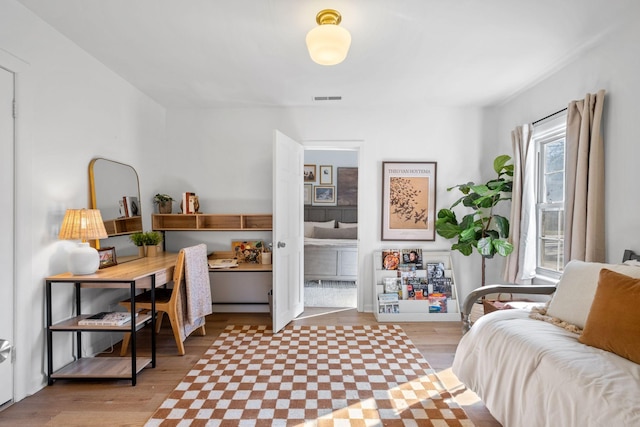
x,y
143,273
241,289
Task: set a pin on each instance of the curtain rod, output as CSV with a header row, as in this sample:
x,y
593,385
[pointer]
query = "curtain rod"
x,y
549,116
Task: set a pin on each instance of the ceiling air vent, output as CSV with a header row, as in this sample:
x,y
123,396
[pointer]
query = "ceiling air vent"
x,y
327,98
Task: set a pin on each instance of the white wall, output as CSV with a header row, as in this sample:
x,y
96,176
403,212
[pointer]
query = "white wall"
x,y
70,109
225,155
613,65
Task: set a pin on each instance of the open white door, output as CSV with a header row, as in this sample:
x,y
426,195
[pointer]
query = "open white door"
x,y
7,231
288,239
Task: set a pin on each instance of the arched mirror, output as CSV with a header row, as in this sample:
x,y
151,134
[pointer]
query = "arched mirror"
x,y
115,190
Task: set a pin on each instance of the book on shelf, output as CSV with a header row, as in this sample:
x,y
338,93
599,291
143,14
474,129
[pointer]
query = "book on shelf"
x,y
132,206
391,308
386,298
435,270
188,203
437,303
442,285
390,259
107,318
223,263
413,256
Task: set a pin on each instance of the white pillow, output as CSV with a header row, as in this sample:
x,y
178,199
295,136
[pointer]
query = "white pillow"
x,y
575,291
309,226
347,224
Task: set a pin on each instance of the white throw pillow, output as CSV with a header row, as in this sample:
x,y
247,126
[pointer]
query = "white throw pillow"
x,y
575,291
347,224
309,226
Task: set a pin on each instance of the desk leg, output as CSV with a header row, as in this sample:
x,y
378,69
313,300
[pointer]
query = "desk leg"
x,y
78,312
49,335
132,343
153,321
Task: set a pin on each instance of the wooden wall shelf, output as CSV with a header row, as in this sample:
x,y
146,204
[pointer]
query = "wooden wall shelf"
x,y
120,226
211,222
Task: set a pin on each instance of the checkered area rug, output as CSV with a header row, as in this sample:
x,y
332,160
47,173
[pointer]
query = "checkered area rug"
x,y
311,376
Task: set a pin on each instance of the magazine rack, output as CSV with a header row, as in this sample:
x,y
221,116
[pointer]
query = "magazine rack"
x,y
415,310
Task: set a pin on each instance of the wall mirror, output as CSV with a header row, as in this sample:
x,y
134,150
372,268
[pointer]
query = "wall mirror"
x,y
115,190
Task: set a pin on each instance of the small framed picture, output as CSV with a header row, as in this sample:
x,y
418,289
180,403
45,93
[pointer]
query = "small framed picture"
x,y
324,194
307,194
107,256
326,175
309,173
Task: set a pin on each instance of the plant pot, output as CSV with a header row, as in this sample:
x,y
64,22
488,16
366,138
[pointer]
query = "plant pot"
x,y
152,251
165,207
142,251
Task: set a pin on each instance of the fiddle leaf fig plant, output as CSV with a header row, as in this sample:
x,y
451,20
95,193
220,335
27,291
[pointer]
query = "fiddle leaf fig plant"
x,y
481,228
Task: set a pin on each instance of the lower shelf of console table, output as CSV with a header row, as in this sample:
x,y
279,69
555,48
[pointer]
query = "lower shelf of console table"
x,y
101,368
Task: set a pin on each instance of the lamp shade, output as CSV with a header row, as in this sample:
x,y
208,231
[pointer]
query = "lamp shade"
x,y
328,44
83,225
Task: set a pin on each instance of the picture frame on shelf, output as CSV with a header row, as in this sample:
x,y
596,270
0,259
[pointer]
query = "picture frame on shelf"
x,y
326,175
107,257
323,194
308,188
409,201
309,173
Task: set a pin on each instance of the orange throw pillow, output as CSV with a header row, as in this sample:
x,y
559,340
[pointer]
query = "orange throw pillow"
x,y
613,323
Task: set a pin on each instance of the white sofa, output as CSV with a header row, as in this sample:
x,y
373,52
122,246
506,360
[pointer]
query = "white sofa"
x,y
531,372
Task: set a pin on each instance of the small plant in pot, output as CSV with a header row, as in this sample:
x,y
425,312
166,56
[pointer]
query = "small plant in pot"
x,y
152,239
164,202
139,240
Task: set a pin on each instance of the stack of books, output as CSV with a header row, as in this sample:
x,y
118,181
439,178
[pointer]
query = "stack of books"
x,y
107,318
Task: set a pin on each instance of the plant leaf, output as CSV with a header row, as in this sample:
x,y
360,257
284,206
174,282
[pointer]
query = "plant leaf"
x,y
447,230
502,225
502,247
465,248
499,162
485,248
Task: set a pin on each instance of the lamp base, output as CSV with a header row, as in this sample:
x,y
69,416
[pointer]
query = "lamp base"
x,y
83,260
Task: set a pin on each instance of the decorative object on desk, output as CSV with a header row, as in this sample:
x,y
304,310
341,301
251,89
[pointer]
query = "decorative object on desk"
x,y
408,200
223,263
164,202
309,173
248,251
482,228
347,187
152,240
83,225
326,175
265,257
138,238
324,194
190,203
107,256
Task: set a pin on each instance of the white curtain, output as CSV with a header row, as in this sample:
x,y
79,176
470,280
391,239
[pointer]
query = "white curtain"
x,y
520,266
584,181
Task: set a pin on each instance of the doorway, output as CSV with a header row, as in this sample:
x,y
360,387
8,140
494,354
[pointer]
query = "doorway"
x,y
331,257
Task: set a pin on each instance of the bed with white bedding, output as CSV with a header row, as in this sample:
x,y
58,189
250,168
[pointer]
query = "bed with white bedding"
x,y
574,363
330,243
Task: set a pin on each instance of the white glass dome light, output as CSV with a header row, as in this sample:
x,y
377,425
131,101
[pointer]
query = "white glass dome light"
x,y
328,43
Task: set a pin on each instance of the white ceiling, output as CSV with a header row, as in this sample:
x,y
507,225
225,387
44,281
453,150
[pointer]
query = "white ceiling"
x,y
213,53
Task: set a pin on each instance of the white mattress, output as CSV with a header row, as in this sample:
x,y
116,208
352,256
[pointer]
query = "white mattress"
x,y
530,373
348,243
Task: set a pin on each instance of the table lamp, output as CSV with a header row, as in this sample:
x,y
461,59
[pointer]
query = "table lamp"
x,y
83,225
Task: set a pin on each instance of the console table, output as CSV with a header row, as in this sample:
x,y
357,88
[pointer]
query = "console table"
x,y
142,273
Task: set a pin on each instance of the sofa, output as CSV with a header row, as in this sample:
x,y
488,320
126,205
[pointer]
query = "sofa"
x,y
573,362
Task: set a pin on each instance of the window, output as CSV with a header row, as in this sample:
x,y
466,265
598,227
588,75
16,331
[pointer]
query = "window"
x,y
549,139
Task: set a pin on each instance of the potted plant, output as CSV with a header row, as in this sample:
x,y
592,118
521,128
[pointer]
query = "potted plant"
x,y
481,228
152,239
164,202
139,240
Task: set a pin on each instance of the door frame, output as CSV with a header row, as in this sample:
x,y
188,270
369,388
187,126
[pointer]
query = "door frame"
x,y
348,145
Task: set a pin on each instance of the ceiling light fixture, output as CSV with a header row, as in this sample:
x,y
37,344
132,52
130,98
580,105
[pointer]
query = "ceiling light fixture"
x,y
328,43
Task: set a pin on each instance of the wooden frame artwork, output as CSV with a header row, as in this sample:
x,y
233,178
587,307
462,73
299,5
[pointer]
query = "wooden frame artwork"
x,y
107,257
309,173
347,182
408,200
308,188
326,175
324,194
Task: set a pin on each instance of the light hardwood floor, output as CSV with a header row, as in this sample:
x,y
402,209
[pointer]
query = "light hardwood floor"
x,y
117,403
